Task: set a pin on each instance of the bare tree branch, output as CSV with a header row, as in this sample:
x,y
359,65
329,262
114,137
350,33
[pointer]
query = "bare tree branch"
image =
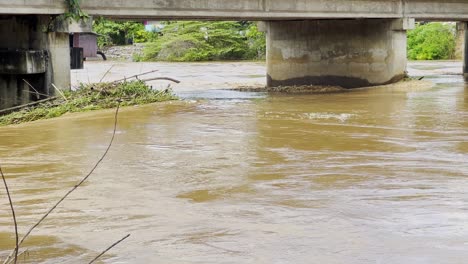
x,y
71,190
13,213
134,76
109,248
107,72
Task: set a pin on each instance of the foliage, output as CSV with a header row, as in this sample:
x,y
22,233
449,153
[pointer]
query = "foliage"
x,y
257,41
121,33
74,10
206,41
91,97
432,41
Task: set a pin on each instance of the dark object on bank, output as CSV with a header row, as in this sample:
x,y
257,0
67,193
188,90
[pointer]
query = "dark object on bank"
x,y
102,55
77,58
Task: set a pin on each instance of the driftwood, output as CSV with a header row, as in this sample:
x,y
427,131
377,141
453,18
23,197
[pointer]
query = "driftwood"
x,y
19,107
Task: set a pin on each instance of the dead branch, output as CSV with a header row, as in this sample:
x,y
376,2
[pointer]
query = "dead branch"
x,y
12,109
135,76
60,92
107,72
161,78
109,248
24,252
72,189
13,213
46,95
32,87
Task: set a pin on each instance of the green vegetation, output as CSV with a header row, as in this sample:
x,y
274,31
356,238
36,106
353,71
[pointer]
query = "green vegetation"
x,y
121,33
187,40
74,10
206,41
432,41
91,97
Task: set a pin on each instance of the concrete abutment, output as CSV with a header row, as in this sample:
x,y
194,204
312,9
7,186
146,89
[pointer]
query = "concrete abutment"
x,y
31,55
349,53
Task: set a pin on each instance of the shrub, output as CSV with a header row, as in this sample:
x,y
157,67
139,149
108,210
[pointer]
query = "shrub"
x,y
205,41
432,41
121,33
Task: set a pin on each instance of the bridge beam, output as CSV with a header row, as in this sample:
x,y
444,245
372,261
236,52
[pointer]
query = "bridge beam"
x,y
349,53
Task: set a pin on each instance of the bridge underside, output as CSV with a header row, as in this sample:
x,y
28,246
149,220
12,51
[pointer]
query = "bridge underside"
x,y
452,10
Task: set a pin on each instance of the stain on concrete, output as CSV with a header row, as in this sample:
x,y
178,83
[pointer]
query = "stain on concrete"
x,y
330,80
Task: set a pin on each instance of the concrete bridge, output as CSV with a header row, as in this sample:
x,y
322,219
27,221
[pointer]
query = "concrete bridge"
x,y
351,43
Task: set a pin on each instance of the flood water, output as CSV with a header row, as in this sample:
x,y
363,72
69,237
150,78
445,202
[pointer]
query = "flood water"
x,y
367,176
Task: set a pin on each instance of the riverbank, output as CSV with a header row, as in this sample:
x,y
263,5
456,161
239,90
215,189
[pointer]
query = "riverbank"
x,y
88,98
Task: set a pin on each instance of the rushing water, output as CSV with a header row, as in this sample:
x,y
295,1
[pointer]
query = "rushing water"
x,y
367,176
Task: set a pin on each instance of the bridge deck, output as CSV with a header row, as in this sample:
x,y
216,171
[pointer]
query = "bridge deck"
x,y
251,9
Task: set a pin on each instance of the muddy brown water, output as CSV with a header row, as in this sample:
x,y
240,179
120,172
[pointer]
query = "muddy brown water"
x,y
368,176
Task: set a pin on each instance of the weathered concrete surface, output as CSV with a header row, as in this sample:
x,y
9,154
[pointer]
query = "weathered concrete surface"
x,y
59,48
23,62
29,53
465,53
37,7
251,9
347,53
281,9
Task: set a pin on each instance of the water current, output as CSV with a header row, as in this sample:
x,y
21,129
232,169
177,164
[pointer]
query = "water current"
x,y
365,176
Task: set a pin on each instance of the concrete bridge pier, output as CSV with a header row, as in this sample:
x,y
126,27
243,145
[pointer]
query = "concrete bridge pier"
x,y
463,27
350,53
31,54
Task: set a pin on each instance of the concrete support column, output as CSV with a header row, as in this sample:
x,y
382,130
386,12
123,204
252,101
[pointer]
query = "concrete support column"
x,y
465,53
460,40
31,54
349,53
59,50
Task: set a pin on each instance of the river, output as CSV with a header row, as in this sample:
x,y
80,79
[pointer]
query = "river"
x,y
366,176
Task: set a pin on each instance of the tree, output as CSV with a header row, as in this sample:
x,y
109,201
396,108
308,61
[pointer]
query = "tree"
x,y
432,41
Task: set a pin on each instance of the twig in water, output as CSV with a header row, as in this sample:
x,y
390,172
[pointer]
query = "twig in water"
x,y
109,248
24,252
105,74
13,213
60,92
72,189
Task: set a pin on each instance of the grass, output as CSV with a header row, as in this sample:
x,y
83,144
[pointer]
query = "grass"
x,y
91,97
